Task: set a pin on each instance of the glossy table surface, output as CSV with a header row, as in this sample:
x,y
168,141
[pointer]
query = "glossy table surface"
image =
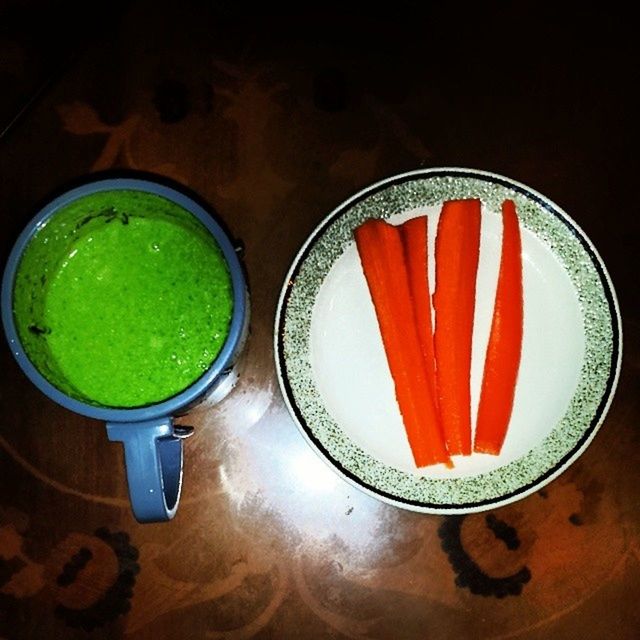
x,y
275,120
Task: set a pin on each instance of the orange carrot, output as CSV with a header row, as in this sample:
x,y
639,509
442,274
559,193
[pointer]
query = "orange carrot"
x,y
382,257
414,238
457,252
505,341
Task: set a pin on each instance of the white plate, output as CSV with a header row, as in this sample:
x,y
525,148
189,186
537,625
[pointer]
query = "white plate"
x,y
333,370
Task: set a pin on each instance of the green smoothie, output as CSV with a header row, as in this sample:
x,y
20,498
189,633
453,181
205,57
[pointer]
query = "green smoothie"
x,y
123,299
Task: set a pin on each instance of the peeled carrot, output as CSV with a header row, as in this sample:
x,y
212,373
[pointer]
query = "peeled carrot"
x,y
414,234
457,253
382,257
505,341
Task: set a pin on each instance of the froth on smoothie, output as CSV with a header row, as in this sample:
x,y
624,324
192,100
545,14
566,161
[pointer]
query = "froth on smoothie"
x,y
122,299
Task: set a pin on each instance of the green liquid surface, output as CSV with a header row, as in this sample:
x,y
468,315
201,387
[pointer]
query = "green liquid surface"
x,y
136,305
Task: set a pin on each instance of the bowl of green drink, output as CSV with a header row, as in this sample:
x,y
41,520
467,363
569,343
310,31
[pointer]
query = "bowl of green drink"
x,y
124,300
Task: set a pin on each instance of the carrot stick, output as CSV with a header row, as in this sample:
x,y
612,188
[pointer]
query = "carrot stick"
x,y
414,239
382,257
457,252
505,341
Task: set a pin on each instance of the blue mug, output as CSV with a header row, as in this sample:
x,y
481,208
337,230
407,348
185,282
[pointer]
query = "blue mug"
x,y
152,443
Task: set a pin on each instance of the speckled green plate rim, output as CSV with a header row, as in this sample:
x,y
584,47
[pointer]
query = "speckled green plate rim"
x,y
519,478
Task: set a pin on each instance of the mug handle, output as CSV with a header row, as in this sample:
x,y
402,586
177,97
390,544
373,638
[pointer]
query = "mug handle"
x,y
153,459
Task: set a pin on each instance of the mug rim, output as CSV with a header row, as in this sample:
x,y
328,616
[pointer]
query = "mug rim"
x,y
198,388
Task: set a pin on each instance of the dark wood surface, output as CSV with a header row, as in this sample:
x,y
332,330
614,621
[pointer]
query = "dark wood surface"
x,y
275,120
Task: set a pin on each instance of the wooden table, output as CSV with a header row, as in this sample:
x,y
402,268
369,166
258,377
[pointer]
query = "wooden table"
x,y
275,120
